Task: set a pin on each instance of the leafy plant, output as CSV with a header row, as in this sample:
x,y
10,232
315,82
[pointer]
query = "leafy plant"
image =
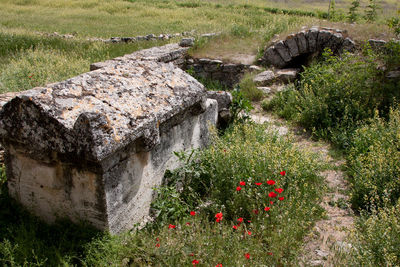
x,y
353,15
371,11
394,23
373,162
336,94
240,107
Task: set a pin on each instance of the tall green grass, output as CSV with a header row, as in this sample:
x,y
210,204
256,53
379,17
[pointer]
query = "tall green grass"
x,y
27,61
206,184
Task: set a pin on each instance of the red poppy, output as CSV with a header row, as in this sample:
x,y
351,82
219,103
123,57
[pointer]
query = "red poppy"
x,y
240,220
270,253
283,173
218,217
171,226
218,265
247,255
242,183
192,213
238,188
267,208
271,202
234,227
272,194
249,221
258,183
224,150
248,232
191,254
157,245
281,198
255,212
195,262
158,239
188,223
271,182
279,190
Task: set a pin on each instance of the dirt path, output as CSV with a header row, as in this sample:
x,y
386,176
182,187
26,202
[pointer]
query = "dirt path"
x,y
329,233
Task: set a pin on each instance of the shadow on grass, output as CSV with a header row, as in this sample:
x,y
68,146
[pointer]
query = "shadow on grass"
x,y
27,241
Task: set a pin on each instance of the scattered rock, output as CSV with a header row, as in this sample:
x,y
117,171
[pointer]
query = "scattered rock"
x,y
265,90
393,74
254,68
223,98
376,44
264,78
286,75
186,42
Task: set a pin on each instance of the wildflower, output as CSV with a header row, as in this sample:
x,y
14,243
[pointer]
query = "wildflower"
x,y
242,183
249,221
248,232
272,194
195,262
283,173
188,223
255,212
238,188
192,213
247,255
30,76
279,190
235,227
171,226
158,239
240,220
157,245
224,150
258,183
271,182
191,254
218,217
218,265
271,202
267,208
281,198
270,253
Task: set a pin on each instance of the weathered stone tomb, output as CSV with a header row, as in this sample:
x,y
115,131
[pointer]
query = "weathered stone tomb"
x,y
93,147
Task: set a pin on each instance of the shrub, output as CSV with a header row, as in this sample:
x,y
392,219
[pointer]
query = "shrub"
x,y
371,12
376,239
249,88
373,161
335,95
353,15
247,154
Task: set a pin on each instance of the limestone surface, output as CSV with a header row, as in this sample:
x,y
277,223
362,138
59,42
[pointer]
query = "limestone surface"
x,y
264,78
93,147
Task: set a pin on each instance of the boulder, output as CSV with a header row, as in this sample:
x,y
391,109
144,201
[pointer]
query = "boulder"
x,y
187,42
286,75
264,78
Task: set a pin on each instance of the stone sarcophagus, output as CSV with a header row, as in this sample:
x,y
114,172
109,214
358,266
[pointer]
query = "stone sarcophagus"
x,y
93,147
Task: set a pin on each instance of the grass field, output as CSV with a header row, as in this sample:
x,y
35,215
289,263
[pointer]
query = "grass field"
x,y
273,231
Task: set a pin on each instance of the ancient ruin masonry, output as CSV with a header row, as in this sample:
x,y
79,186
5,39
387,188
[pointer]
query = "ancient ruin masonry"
x,y
93,147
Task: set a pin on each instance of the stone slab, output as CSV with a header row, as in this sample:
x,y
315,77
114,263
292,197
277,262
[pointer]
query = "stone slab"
x,y
264,78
